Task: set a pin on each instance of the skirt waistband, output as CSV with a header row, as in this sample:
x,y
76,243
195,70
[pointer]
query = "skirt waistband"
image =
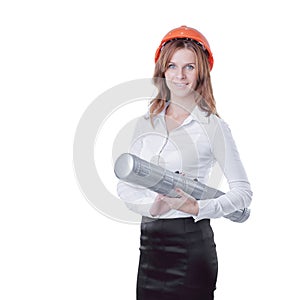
x,y
174,226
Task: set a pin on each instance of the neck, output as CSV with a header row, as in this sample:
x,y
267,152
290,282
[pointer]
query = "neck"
x,y
181,107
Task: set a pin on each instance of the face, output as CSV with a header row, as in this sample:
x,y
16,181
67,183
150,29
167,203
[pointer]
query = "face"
x,y
181,75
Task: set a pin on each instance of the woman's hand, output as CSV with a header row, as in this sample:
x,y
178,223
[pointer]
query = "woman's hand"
x,y
185,203
159,207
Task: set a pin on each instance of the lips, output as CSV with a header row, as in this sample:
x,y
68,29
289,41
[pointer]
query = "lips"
x,y
180,84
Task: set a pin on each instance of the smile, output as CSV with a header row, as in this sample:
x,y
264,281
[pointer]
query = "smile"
x,y
180,84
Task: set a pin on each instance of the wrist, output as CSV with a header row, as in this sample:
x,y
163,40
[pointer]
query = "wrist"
x,y
195,208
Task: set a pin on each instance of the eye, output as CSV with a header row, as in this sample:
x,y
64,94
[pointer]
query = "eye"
x,y
171,66
190,67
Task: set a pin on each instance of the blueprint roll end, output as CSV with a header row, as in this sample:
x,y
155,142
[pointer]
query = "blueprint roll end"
x,y
124,165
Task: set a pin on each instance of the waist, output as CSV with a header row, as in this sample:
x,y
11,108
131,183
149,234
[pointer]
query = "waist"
x,y
174,226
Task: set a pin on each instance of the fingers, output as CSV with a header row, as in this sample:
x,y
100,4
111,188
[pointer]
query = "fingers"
x,y
160,206
161,197
184,202
181,193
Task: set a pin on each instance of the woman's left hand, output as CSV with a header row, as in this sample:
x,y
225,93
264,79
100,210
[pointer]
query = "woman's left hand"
x,y
185,203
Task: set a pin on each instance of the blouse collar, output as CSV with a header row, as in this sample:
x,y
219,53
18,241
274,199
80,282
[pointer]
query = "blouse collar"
x,y
197,114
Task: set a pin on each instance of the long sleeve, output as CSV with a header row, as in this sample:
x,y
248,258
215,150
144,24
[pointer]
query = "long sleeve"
x,y
239,195
137,199
193,148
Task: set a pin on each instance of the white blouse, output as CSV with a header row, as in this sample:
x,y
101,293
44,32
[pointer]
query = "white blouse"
x,y
202,148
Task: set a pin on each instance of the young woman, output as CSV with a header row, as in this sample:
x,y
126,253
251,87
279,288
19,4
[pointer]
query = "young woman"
x,y
183,132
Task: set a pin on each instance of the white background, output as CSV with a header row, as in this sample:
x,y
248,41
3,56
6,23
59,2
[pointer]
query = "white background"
x,y
57,57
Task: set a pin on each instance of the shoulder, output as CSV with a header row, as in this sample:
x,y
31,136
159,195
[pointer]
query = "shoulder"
x,y
143,123
143,119
208,120
217,129
217,122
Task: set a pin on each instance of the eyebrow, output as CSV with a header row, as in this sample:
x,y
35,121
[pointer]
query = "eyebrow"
x,y
171,62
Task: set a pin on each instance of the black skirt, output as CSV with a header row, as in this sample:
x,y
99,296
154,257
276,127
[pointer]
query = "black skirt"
x,y
178,260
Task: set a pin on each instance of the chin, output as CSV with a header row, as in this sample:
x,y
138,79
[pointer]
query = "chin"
x,y
182,91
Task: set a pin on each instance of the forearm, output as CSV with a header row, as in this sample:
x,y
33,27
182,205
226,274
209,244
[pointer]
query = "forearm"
x,y
239,197
138,200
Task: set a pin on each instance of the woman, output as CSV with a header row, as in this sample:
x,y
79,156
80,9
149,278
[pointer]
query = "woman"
x,y
183,132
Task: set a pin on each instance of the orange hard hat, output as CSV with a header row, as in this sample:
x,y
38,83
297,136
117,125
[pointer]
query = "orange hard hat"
x,y
184,32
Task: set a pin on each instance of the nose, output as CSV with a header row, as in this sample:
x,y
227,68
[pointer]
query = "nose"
x,y
180,73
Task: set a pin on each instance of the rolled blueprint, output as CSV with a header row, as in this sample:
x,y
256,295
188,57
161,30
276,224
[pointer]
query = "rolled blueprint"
x,y
132,169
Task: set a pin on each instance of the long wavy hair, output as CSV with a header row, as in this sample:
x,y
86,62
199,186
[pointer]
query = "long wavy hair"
x,y
204,97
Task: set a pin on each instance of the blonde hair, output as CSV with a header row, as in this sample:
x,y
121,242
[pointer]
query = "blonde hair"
x,y
203,91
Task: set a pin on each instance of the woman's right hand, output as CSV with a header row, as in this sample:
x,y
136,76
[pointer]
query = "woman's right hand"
x,y
159,206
